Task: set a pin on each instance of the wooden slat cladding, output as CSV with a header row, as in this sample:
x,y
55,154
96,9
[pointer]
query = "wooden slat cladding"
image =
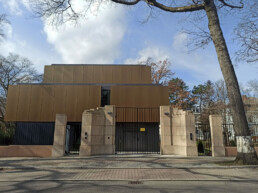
x,y
12,103
134,114
139,96
40,103
102,74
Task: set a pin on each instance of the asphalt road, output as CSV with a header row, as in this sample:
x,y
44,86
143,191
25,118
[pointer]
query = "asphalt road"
x,y
126,187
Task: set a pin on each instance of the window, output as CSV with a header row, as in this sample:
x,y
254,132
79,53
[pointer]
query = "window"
x,y
105,95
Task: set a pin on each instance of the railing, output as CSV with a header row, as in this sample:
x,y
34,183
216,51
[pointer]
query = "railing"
x,y
203,139
229,134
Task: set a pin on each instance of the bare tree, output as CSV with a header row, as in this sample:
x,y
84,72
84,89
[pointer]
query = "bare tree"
x,y
221,100
14,69
253,86
246,154
247,35
160,70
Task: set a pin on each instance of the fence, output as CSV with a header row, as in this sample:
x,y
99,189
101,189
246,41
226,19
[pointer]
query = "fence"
x,y
203,139
229,134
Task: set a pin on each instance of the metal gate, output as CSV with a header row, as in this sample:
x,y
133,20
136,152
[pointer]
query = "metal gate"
x,y
73,138
203,139
137,138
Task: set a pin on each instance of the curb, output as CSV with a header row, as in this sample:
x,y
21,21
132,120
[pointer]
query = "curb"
x,y
111,168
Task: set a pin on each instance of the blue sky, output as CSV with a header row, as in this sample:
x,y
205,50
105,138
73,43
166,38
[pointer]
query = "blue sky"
x,y
116,35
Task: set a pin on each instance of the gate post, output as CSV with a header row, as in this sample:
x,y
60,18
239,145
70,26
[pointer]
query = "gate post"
x,y
177,132
98,131
110,128
218,149
58,148
166,130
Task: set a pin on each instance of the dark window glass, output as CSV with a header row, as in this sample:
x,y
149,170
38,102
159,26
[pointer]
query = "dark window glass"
x,y
105,96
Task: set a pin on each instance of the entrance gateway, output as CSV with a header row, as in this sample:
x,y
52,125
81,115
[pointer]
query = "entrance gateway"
x,y
137,131
137,138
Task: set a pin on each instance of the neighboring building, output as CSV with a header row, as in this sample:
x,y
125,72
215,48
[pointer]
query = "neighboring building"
x,y
251,109
71,89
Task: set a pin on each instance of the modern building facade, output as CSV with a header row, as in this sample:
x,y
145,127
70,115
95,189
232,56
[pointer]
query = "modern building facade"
x,y
72,89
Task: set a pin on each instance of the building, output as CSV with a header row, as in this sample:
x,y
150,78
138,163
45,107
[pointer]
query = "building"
x,y
71,89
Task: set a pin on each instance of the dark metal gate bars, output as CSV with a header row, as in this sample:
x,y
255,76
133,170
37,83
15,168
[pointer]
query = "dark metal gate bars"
x,y
73,138
203,139
137,138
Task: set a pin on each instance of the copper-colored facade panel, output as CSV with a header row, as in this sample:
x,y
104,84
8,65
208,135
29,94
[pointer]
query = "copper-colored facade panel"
x,y
68,74
88,74
48,74
40,103
106,74
138,103
35,103
47,104
138,96
134,114
126,75
58,74
87,97
70,103
59,99
117,75
24,103
12,103
94,97
78,74
98,74
146,75
136,74
82,94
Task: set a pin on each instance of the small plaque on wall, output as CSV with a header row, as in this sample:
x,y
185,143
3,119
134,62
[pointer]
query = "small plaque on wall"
x,y
142,129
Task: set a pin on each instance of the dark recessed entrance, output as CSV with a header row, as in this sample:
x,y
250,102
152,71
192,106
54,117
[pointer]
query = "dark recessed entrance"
x,y
73,138
137,138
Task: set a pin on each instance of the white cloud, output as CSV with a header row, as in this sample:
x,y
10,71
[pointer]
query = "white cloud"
x,y
156,53
202,64
13,6
95,39
14,44
180,42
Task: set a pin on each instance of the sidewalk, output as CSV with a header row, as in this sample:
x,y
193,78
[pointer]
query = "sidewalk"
x,y
125,167
118,161
245,174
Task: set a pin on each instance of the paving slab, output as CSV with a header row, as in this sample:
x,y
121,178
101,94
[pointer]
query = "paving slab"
x,y
117,161
245,174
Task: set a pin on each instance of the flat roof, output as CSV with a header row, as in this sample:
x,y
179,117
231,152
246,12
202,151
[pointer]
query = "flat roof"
x,y
98,65
92,84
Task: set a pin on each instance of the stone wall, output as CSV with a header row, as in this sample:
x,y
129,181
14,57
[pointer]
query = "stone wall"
x,y
232,151
98,131
58,149
177,130
218,149
26,151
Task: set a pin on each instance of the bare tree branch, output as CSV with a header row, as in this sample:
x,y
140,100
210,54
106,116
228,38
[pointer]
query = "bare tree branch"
x,y
195,7
247,35
124,2
224,3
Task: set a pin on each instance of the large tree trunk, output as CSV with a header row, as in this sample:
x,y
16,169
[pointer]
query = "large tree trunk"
x,y
245,149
